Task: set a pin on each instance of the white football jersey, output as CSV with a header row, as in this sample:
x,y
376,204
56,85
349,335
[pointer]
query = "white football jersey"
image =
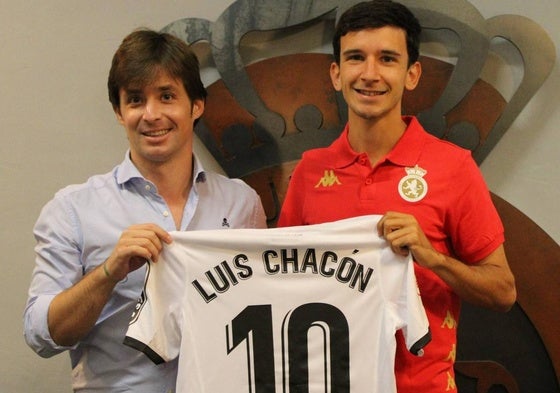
x,y
297,309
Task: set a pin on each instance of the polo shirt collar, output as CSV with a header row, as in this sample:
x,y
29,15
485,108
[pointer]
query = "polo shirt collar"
x,y
343,155
408,149
405,153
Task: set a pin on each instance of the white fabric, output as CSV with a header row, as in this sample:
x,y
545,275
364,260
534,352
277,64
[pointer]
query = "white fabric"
x,y
280,288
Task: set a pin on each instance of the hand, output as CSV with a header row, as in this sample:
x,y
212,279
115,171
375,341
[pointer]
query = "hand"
x,y
404,234
137,245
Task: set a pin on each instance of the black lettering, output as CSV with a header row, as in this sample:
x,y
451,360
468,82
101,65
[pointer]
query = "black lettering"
x,y
268,267
229,273
362,277
218,286
293,259
324,259
309,261
343,276
207,297
239,262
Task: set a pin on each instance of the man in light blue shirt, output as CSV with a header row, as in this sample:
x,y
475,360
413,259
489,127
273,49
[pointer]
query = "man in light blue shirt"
x,y
94,239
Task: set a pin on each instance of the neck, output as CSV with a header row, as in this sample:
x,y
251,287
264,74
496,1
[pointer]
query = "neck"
x,y
173,180
375,137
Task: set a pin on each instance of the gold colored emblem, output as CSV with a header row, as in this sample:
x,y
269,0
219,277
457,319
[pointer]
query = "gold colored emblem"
x,y
329,179
413,187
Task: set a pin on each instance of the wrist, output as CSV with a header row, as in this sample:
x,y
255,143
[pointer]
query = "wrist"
x,y
107,273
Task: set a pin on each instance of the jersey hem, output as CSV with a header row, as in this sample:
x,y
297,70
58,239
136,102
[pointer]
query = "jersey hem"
x,y
140,346
416,349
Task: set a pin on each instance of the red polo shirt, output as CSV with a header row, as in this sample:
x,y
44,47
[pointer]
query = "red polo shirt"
x,y
434,180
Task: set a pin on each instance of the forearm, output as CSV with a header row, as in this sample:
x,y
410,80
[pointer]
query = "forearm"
x,y
74,312
486,284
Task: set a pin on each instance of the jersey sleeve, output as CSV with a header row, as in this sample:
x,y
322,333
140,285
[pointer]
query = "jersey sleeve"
x,y
155,326
401,290
417,328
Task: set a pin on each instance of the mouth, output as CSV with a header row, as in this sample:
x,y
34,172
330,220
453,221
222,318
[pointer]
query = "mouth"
x,y
370,93
156,133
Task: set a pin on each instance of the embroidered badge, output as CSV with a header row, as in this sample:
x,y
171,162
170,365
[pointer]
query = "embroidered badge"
x,y
413,187
329,179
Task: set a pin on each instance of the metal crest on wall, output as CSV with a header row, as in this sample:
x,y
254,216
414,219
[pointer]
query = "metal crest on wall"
x,y
251,122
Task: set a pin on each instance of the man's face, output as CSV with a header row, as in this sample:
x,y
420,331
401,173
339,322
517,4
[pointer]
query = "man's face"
x,y
158,119
373,72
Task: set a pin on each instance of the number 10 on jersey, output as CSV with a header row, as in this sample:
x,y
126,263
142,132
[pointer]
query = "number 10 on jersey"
x,y
254,326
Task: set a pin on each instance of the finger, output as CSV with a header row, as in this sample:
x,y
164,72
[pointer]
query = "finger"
x,y
401,250
142,243
137,262
152,244
386,225
161,233
153,232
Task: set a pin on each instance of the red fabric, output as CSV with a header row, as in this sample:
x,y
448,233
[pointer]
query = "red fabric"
x,y
456,214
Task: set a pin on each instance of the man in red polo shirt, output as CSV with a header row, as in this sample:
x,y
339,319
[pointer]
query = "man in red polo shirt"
x,y
434,201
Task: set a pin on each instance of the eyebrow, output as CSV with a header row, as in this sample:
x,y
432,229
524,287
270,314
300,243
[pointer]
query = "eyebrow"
x,y
166,87
137,90
390,52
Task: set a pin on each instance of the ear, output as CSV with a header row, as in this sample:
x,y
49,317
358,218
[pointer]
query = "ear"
x,y
335,76
413,76
118,114
197,109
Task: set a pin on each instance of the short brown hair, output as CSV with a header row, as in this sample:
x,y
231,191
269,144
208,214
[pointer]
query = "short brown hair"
x,y
145,52
375,14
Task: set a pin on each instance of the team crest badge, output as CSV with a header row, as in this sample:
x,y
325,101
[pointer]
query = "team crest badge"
x,y
413,187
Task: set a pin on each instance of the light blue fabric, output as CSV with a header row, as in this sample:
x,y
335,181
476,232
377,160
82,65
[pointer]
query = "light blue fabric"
x,y
77,230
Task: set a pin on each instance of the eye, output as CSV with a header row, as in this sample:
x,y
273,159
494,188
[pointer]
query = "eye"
x,y
388,59
134,99
355,57
167,96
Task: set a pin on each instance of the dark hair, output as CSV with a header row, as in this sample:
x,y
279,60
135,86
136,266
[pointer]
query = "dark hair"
x,y
143,53
375,14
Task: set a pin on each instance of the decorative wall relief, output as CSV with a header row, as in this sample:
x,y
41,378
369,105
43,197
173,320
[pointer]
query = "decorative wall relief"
x,y
268,134
261,116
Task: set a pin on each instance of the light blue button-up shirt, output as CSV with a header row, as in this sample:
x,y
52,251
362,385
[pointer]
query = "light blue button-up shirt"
x,y
77,231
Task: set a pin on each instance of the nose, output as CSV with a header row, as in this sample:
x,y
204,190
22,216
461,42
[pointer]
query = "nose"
x,y
152,110
370,69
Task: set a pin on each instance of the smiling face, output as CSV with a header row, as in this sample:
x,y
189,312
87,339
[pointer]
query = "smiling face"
x,y
158,118
373,72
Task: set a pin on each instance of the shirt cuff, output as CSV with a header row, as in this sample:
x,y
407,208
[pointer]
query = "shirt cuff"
x,y
36,330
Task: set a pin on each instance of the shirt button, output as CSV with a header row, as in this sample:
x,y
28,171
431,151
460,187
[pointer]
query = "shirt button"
x,y
166,213
369,181
147,187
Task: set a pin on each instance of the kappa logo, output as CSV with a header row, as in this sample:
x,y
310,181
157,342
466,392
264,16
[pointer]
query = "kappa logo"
x,y
452,354
329,179
449,322
413,187
450,382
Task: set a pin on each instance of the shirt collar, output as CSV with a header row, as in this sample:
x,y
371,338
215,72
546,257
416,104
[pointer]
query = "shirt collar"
x,y
405,153
127,171
408,149
343,155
